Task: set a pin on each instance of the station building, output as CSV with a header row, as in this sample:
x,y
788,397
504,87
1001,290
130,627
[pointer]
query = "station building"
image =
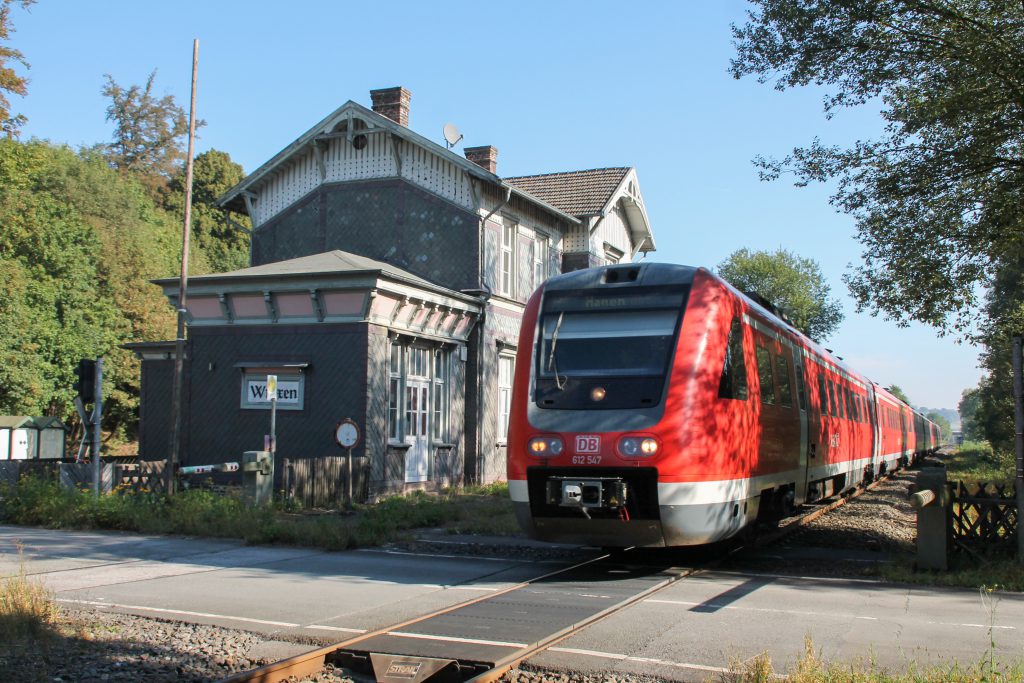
x,y
387,283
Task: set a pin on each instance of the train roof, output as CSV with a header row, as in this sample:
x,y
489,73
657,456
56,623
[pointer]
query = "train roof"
x,y
623,274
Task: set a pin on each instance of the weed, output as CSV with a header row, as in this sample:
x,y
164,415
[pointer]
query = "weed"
x,y
810,667
27,609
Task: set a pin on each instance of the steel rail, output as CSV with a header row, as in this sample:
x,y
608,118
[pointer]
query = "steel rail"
x,y
503,666
315,660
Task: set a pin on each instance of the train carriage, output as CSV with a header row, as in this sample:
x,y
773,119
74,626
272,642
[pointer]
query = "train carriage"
x,y
654,404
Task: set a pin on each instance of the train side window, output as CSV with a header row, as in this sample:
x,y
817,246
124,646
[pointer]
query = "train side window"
x,y
785,387
764,373
734,370
833,406
822,395
841,408
849,403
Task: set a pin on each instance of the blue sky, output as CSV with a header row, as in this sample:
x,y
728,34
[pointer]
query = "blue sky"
x,y
554,86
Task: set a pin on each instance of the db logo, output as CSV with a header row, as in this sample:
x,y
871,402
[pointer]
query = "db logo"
x,y
588,443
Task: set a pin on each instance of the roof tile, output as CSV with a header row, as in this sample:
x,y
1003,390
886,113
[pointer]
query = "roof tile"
x,y
578,193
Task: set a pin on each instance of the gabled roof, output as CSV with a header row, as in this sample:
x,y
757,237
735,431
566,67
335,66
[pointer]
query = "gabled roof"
x,y
580,193
334,262
593,192
233,198
22,421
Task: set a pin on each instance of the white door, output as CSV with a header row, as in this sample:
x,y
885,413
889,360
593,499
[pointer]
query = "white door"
x,y
5,444
19,445
416,430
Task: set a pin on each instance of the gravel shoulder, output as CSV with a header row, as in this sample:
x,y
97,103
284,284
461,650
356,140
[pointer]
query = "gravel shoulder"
x,y
99,646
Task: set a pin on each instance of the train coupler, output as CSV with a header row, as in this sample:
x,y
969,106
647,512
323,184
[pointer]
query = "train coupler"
x,y
587,493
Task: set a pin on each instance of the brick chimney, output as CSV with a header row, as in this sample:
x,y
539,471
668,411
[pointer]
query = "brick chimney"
x,y
485,157
392,103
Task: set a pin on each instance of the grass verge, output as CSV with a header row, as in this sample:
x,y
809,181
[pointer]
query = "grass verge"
x,y
975,462
810,667
40,502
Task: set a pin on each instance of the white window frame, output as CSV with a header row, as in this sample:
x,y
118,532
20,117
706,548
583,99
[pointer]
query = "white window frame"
x,y
440,396
407,360
541,251
506,374
396,389
507,258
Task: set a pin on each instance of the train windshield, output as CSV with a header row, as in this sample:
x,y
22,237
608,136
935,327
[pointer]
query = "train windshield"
x,y
627,335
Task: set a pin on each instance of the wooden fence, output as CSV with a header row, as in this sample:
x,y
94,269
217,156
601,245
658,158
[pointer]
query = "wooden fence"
x,y
983,519
118,477
321,482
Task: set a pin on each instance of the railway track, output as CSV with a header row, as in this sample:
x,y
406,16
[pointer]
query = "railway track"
x,y
480,639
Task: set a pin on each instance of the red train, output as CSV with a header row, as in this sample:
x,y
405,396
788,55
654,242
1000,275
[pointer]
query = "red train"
x,y
656,405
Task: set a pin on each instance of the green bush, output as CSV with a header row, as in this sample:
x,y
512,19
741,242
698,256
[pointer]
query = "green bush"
x,y
201,512
976,461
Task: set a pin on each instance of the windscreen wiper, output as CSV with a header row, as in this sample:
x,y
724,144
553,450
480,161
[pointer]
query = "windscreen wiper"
x,y
552,359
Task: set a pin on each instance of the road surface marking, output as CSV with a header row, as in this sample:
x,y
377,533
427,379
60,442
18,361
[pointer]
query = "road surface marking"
x,y
453,639
759,609
161,610
949,623
437,555
641,660
336,628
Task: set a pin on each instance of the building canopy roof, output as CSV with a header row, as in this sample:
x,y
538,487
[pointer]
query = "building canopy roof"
x,y
327,263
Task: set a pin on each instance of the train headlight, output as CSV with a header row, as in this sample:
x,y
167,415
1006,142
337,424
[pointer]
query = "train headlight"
x,y
638,446
546,446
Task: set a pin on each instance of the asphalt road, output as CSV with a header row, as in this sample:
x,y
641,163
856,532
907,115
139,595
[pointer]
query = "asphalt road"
x,y
688,632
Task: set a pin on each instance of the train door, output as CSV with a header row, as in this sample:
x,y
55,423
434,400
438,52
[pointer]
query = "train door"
x,y
803,401
876,428
904,441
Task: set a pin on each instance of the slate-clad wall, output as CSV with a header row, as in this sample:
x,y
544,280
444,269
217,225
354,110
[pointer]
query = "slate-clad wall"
x,y
335,389
376,432
387,220
155,408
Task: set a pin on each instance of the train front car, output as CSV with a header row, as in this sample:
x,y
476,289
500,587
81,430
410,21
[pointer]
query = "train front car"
x,y
618,435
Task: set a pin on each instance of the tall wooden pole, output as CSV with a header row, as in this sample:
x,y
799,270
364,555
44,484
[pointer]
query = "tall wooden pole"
x,y
1018,428
179,342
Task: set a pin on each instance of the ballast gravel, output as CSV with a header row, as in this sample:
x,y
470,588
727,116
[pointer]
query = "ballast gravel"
x,y
101,647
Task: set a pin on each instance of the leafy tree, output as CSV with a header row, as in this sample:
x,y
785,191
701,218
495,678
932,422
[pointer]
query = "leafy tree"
x,y
793,283
945,428
898,392
52,311
150,133
10,81
77,243
939,198
968,408
226,246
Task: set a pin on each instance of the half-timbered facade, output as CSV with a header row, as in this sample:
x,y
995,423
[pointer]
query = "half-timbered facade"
x,y
465,243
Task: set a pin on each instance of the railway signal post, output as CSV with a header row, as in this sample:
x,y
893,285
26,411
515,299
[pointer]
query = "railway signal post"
x,y
1018,428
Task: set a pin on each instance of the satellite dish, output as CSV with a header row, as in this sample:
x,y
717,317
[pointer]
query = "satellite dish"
x,y
451,135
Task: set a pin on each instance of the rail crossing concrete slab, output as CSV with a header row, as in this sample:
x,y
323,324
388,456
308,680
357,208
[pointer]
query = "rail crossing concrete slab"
x,y
695,628
329,595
